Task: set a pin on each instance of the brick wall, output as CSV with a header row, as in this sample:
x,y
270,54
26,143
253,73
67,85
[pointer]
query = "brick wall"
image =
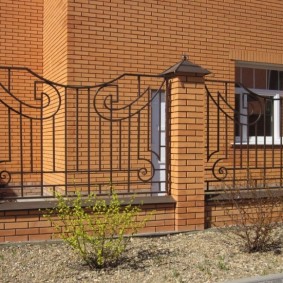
x,y
30,225
21,25
55,30
21,33
55,60
224,213
107,38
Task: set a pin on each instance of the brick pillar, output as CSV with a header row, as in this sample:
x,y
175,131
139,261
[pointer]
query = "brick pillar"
x,y
187,151
187,154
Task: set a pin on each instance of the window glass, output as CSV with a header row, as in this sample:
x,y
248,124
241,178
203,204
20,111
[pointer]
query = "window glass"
x,y
260,78
260,116
273,79
281,80
247,77
238,74
237,115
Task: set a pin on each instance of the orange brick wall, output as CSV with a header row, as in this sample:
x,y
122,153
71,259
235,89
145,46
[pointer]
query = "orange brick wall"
x,y
224,213
21,35
30,225
21,26
55,51
55,59
107,38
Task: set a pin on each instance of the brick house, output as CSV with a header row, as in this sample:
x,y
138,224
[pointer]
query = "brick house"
x,y
169,131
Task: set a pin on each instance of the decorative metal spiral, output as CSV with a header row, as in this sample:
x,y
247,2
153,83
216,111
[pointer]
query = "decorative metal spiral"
x,y
143,172
220,173
5,178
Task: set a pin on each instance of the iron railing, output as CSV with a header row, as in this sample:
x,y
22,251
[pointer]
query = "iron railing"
x,y
243,137
62,138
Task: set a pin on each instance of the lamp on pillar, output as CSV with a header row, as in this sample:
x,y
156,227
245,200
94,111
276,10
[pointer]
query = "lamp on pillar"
x,y
184,67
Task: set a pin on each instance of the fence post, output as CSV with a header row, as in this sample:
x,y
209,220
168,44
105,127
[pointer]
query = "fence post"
x,y
186,146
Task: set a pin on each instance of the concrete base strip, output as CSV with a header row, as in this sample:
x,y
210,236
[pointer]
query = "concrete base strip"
x,y
273,278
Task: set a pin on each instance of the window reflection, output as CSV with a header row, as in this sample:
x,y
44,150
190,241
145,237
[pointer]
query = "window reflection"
x,y
259,78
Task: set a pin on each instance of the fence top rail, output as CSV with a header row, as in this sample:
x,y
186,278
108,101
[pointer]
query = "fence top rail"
x,y
20,68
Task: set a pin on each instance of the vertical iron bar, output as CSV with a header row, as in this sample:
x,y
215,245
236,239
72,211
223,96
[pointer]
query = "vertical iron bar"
x,y
241,146
281,159
234,166
129,149
31,145
53,142
10,139
41,145
272,147
150,95
218,121
159,125
100,142
149,117
207,125
77,129
167,138
264,152
120,145
280,135
226,125
21,151
111,143
66,141
88,139
256,147
248,145
139,121
226,122
234,147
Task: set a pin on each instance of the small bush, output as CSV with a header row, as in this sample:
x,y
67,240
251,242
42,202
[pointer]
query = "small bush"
x,y
255,215
94,229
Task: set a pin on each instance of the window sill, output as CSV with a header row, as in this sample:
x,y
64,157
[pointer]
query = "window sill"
x,y
259,141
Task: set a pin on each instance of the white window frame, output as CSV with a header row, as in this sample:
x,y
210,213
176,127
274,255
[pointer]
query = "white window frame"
x,y
260,140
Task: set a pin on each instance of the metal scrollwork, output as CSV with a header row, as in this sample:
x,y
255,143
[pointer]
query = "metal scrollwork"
x,y
5,178
143,172
219,172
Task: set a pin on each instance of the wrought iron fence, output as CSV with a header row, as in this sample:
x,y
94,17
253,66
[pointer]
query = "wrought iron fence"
x,y
243,137
60,138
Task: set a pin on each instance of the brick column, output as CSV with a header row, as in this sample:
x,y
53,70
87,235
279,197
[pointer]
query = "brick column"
x,y
187,152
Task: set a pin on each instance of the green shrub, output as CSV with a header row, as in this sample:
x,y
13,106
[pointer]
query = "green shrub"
x,y
256,215
94,229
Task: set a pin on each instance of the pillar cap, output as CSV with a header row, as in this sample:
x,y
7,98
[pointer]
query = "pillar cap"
x,y
184,67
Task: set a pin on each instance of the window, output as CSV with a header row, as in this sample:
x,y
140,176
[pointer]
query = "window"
x,y
158,146
258,104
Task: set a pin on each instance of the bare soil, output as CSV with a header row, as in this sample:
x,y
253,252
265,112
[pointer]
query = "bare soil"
x,y
207,256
